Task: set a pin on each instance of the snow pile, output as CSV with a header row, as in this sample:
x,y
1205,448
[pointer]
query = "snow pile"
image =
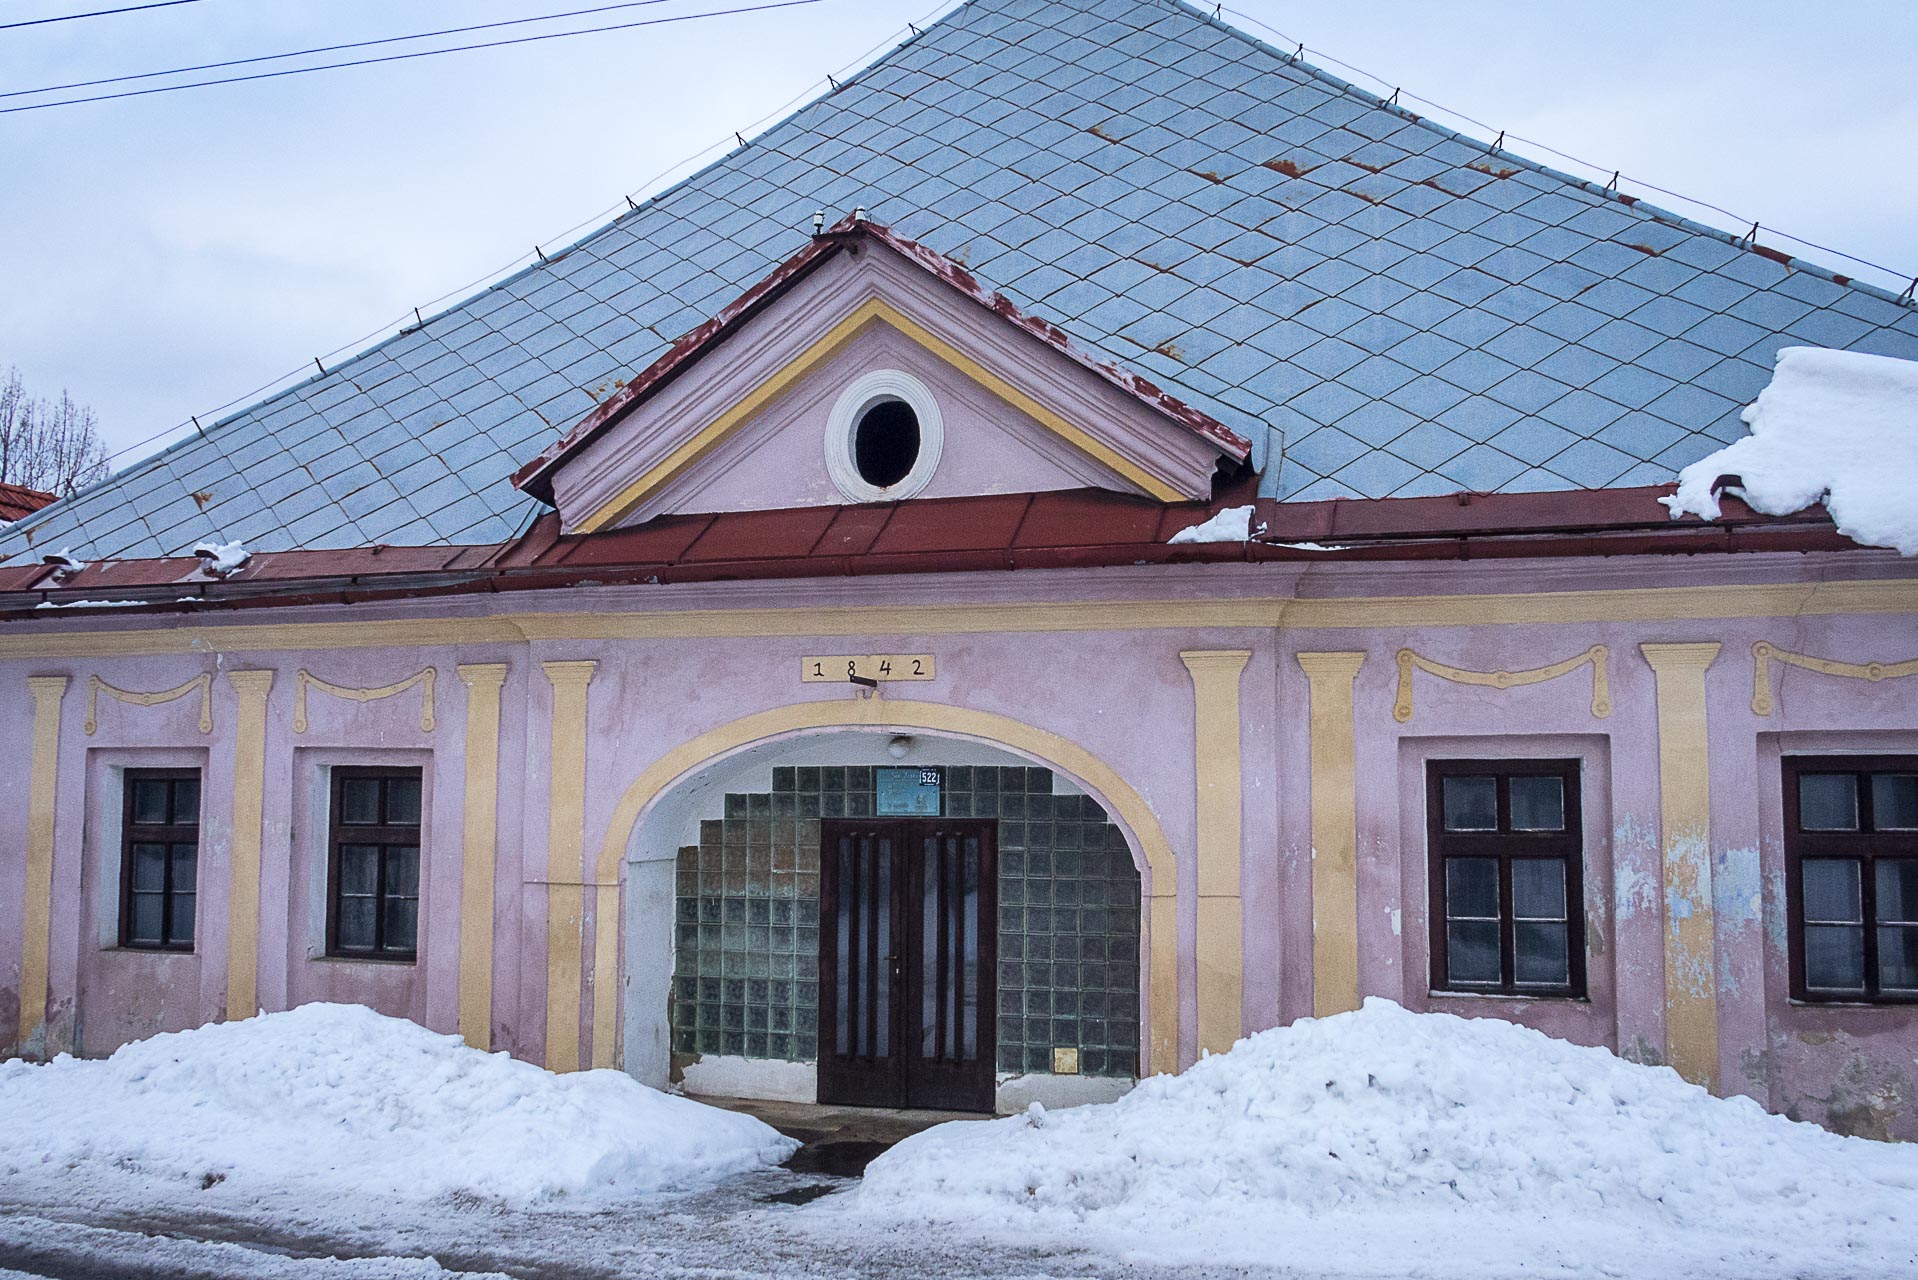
x,y
1423,1144
341,1096
1234,524
1837,423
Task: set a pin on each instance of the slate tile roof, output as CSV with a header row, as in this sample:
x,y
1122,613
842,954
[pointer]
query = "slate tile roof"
x,y
1386,308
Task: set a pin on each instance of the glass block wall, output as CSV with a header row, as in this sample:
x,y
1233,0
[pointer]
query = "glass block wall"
x,y
747,945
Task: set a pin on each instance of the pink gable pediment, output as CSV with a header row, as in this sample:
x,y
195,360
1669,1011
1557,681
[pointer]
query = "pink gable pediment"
x,y
762,407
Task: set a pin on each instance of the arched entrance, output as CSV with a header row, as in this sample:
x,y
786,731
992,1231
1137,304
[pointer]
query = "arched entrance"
x,y
648,824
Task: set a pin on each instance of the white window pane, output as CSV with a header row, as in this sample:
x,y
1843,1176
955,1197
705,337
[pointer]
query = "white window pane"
x,y
1538,803
1831,890
1828,801
1834,957
1471,804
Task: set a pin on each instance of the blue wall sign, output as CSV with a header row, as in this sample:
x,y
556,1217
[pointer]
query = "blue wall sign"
x,y
907,792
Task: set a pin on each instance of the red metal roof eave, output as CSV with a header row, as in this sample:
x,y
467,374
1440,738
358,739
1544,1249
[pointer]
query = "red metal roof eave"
x,y
1677,540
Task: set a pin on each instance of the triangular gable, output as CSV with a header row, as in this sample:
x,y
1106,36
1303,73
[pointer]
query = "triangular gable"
x,y
758,385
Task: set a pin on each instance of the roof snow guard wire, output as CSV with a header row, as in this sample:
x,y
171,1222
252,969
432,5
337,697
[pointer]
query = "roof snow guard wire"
x,y
1610,185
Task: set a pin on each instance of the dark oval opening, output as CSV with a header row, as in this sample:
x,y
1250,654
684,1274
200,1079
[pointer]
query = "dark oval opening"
x,y
885,444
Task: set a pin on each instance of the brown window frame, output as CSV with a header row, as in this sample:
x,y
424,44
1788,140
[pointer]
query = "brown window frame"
x,y
167,834
1504,844
1865,845
386,836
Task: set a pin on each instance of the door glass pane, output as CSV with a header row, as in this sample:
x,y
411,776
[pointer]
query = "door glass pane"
x,y
1538,803
180,921
1471,887
1831,890
842,947
929,950
186,801
1538,888
1834,957
882,988
185,867
149,800
403,801
147,913
1471,951
1544,957
1898,958
969,965
1471,804
1897,890
359,868
402,923
1828,801
149,867
1894,801
356,923
360,801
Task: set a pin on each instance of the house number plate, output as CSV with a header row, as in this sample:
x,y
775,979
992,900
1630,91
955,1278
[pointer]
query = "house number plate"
x,y
840,668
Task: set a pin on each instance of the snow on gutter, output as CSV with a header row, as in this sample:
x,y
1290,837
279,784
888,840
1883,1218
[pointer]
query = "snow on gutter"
x,y
1839,427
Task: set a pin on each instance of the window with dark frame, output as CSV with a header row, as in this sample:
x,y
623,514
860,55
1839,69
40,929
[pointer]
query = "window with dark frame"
x,y
373,864
1507,877
1851,872
159,858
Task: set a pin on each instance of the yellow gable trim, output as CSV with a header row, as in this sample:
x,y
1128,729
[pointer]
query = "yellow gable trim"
x,y
872,311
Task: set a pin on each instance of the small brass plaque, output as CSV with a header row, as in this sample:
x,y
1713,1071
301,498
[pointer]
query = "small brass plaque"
x,y
1065,1062
841,668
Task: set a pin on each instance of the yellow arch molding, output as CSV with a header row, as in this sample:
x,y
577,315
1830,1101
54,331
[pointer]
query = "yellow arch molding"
x,y
1162,1001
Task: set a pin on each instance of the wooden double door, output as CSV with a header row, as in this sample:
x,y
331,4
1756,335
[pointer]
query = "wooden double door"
x,y
908,962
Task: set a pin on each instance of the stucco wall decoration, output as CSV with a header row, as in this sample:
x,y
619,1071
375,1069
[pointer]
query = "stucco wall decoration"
x,y
96,686
306,679
1595,657
1764,653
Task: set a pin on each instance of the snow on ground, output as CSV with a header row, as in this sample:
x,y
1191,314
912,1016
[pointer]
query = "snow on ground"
x,y
1842,423
1393,1143
343,1098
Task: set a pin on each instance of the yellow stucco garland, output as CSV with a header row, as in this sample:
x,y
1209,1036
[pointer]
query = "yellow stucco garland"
x,y
1594,656
1764,653
1162,1001
307,679
96,686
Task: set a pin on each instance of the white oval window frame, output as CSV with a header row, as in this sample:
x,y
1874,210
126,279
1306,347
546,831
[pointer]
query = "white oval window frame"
x,y
864,392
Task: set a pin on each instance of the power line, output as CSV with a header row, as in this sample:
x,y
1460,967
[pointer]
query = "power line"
x,y
329,48
1615,175
97,13
403,57
467,289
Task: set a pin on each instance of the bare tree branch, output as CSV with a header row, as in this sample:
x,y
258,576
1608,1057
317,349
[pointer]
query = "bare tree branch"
x,y
50,445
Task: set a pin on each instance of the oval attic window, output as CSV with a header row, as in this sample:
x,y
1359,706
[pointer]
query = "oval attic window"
x,y
884,438
886,443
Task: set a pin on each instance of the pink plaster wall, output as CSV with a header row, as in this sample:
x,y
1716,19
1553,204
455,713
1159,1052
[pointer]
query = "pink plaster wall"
x,y
1122,694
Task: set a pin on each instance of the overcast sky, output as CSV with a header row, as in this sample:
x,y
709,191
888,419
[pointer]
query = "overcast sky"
x,y
163,255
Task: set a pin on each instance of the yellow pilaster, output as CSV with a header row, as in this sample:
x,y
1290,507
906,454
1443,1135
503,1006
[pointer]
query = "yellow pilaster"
x,y
47,692
1221,800
565,833
479,847
249,812
1335,833
1684,798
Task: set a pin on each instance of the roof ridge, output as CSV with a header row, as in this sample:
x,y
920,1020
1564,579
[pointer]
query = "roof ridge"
x,y
1658,213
